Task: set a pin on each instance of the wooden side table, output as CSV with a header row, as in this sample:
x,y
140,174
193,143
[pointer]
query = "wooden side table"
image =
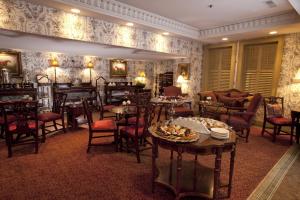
x,y
295,115
190,178
74,111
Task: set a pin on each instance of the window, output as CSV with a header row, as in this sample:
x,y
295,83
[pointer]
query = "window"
x,y
260,66
218,67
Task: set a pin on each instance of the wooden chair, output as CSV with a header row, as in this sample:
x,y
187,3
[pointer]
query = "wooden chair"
x,y
104,108
295,124
57,113
100,126
24,125
138,132
242,121
273,114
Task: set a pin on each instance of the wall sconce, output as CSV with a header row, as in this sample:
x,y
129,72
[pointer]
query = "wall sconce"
x,y
54,63
297,77
90,65
140,80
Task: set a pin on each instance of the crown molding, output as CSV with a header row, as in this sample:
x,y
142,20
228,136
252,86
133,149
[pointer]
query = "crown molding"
x,y
296,5
250,25
126,12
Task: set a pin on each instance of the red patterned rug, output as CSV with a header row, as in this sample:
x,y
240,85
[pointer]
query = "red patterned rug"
x,y
63,170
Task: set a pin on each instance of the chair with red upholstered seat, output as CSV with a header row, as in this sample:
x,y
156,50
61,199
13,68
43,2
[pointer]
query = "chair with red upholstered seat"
x,y
242,121
25,125
57,113
103,126
273,114
105,108
138,131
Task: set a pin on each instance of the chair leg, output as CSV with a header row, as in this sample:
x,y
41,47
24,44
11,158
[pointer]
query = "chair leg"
x,y
263,128
127,144
43,134
274,133
54,124
292,135
2,131
89,142
121,143
137,149
247,134
63,124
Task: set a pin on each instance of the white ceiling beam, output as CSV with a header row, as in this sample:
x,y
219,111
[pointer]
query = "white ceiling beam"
x,y
296,5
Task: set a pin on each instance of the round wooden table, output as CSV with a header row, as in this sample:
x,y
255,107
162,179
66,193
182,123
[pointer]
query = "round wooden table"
x,y
189,178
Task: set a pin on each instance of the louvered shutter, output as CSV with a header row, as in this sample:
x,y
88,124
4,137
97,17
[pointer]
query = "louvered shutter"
x,y
259,63
219,65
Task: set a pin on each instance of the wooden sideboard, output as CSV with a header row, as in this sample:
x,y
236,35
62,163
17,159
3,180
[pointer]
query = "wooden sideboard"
x,y
17,91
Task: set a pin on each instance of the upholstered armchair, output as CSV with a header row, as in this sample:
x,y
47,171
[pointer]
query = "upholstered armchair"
x,y
242,121
273,115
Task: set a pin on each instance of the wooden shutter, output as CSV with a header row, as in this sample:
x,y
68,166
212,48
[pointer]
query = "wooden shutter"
x,y
218,68
259,65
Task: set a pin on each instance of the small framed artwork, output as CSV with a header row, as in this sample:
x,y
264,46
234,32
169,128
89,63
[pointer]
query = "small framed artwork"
x,y
11,60
184,70
118,68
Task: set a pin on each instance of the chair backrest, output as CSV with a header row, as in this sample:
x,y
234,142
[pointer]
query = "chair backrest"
x,y
88,112
172,91
59,102
273,107
23,113
253,106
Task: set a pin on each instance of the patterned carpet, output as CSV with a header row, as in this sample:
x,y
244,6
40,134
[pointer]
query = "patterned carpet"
x,y
63,170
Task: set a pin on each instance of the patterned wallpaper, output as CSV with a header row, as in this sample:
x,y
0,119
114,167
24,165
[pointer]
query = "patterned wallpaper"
x,y
290,65
72,67
21,15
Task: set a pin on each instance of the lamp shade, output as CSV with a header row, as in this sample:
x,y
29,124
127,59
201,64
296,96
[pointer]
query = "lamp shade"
x,y
90,65
180,79
297,77
54,62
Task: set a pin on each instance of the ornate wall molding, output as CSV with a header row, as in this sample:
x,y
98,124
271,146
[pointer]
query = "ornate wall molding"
x,y
129,13
250,25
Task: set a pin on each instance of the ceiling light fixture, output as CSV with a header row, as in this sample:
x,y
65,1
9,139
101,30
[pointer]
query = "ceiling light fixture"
x,y
224,38
166,33
75,10
273,32
129,24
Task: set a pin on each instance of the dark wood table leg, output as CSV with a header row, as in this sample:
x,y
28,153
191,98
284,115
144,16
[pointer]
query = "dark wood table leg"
x,y
171,168
217,173
232,157
154,156
178,174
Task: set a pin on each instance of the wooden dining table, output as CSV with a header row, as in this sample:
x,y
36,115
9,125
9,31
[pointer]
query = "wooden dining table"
x,y
189,177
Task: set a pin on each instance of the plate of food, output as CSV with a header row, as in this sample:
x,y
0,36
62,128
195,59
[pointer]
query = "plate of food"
x,y
176,133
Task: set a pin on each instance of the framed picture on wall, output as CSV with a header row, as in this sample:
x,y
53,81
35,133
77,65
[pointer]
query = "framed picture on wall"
x,y
118,68
11,60
184,70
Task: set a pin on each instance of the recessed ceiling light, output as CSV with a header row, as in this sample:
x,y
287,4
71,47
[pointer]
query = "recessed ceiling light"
x,y
129,24
166,33
75,10
273,32
224,38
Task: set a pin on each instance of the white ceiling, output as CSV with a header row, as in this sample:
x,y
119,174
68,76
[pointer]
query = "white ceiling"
x,y
198,14
25,41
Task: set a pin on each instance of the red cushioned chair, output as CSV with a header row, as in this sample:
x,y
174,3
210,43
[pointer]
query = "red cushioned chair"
x,y
105,109
100,126
56,114
273,114
10,118
242,121
182,110
138,131
25,125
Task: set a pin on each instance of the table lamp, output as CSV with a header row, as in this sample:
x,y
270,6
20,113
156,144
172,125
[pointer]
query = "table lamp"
x,y
54,63
297,77
90,65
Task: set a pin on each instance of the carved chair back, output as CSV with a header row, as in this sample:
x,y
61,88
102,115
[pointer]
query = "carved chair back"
x,y
253,107
59,103
273,107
